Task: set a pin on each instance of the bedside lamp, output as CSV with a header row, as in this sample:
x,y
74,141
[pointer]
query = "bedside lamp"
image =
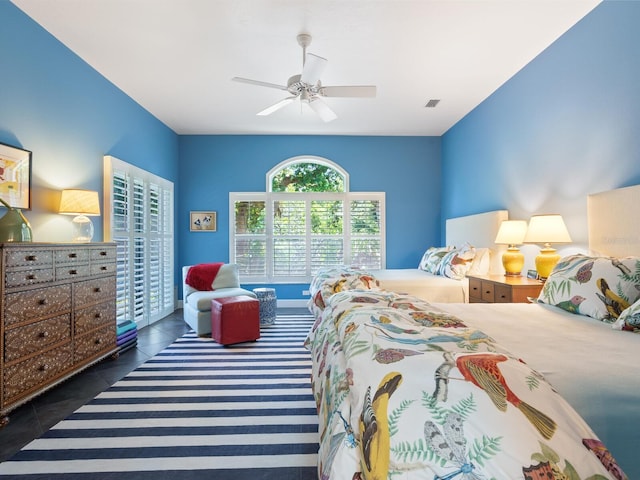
x,y
547,229
512,233
80,203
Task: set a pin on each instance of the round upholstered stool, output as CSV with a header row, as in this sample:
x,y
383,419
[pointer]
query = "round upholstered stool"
x,y
268,304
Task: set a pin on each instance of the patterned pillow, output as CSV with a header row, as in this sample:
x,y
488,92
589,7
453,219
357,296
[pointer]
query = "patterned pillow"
x,y
599,287
432,258
456,263
629,319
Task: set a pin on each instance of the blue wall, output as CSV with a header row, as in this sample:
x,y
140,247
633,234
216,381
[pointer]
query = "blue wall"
x,y
564,127
406,168
69,116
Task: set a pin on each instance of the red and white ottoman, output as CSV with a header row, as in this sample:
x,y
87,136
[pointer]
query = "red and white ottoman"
x,y
235,319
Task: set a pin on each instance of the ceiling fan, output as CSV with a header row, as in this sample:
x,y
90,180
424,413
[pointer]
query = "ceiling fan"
x,y
308,88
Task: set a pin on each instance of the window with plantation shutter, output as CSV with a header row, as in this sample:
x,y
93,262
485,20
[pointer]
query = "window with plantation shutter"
x,y
286,236
139,219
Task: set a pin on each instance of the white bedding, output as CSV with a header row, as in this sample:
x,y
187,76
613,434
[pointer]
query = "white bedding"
x,y
591,365
426,286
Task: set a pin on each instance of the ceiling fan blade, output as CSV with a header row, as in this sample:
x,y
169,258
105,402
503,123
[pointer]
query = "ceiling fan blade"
x,y
259,83
313,68
276,106
356,91
322,109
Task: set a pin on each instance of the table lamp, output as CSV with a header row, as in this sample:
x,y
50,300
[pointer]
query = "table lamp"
x,y
511,233
81,203
547,229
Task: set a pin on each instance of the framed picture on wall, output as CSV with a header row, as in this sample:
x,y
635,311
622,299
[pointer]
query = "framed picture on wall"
x,y
15,176
202,221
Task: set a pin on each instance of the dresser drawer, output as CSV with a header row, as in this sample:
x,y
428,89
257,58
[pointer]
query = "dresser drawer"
x,y
106,254
36,304
32,276
71,272
25,377
94,343
93,291
71,256
34,337
28,257
94,317
102,268
475,290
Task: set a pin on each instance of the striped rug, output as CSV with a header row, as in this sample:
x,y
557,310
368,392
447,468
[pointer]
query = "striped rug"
x,y
197,410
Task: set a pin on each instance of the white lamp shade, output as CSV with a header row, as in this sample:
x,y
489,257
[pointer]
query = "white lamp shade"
x,y
79,202
547,229
511,232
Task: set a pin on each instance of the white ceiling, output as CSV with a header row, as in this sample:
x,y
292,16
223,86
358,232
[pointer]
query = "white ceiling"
x,y
176,58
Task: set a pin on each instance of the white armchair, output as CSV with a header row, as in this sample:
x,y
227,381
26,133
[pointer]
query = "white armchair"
x,y
197,303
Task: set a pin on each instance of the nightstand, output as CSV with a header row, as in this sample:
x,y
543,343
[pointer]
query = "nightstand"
x,y
502,289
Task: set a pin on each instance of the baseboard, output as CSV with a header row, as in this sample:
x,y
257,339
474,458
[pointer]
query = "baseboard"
x,y
296,303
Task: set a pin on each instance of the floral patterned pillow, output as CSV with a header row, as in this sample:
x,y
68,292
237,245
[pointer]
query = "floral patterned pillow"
x,y
432,258
456,263
598,287
629,319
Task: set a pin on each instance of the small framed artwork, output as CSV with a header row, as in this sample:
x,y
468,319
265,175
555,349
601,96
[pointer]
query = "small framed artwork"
x,y
202,221
15,176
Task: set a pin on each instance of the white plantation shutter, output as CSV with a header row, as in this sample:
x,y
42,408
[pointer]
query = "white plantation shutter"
x,y
287,237
139,219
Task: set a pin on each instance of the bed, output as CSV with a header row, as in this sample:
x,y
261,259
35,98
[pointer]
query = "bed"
x,y
411,389
478,230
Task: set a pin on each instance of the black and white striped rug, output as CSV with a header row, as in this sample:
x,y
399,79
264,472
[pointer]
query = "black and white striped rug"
x,y
196,410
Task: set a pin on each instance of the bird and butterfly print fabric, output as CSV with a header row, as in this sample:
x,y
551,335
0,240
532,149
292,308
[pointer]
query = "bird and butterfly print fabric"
x,y
407,391
598,287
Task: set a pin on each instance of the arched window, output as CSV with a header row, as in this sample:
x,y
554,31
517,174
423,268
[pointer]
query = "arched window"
x,y
306,219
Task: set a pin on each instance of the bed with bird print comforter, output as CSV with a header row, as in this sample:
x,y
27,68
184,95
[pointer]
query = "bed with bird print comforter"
x,y
407,391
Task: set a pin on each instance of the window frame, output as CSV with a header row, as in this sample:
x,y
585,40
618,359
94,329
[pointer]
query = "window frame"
x,y
269,197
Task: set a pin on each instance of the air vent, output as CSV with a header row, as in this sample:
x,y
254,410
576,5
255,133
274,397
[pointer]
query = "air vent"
x,y
432,103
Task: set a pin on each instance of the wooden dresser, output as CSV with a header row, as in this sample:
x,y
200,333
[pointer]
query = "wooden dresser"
x,y
57,303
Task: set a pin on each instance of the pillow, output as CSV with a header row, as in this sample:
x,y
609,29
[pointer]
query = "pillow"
x,y
481,263
227,277
598,287
456,263
432,258
629,319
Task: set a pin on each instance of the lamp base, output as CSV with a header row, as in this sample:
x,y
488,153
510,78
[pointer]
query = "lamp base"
x,y
82,229
512,261
545,261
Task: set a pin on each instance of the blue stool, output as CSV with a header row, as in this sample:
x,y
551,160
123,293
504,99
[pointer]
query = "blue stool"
x,y
268,305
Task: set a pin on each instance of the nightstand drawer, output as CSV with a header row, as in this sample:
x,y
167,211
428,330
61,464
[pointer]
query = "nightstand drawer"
x,y
487,292
502,294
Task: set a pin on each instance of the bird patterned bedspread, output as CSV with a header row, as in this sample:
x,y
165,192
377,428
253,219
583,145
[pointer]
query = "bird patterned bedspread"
x,y
407,391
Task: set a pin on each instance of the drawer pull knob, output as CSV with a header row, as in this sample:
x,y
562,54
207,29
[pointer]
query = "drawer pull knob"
x,y
42,301
103,268
31,276
98,315
30,258
44,334
103,253
97,290
98,341
73,272
44,367
73,255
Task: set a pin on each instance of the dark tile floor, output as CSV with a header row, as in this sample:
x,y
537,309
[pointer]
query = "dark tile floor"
x,y
34,418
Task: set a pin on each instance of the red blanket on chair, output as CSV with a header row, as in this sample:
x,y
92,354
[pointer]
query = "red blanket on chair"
x,y
201,276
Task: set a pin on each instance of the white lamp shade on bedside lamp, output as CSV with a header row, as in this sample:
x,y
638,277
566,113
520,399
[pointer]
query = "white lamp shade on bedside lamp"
x,y
512,233
547,229
82,204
